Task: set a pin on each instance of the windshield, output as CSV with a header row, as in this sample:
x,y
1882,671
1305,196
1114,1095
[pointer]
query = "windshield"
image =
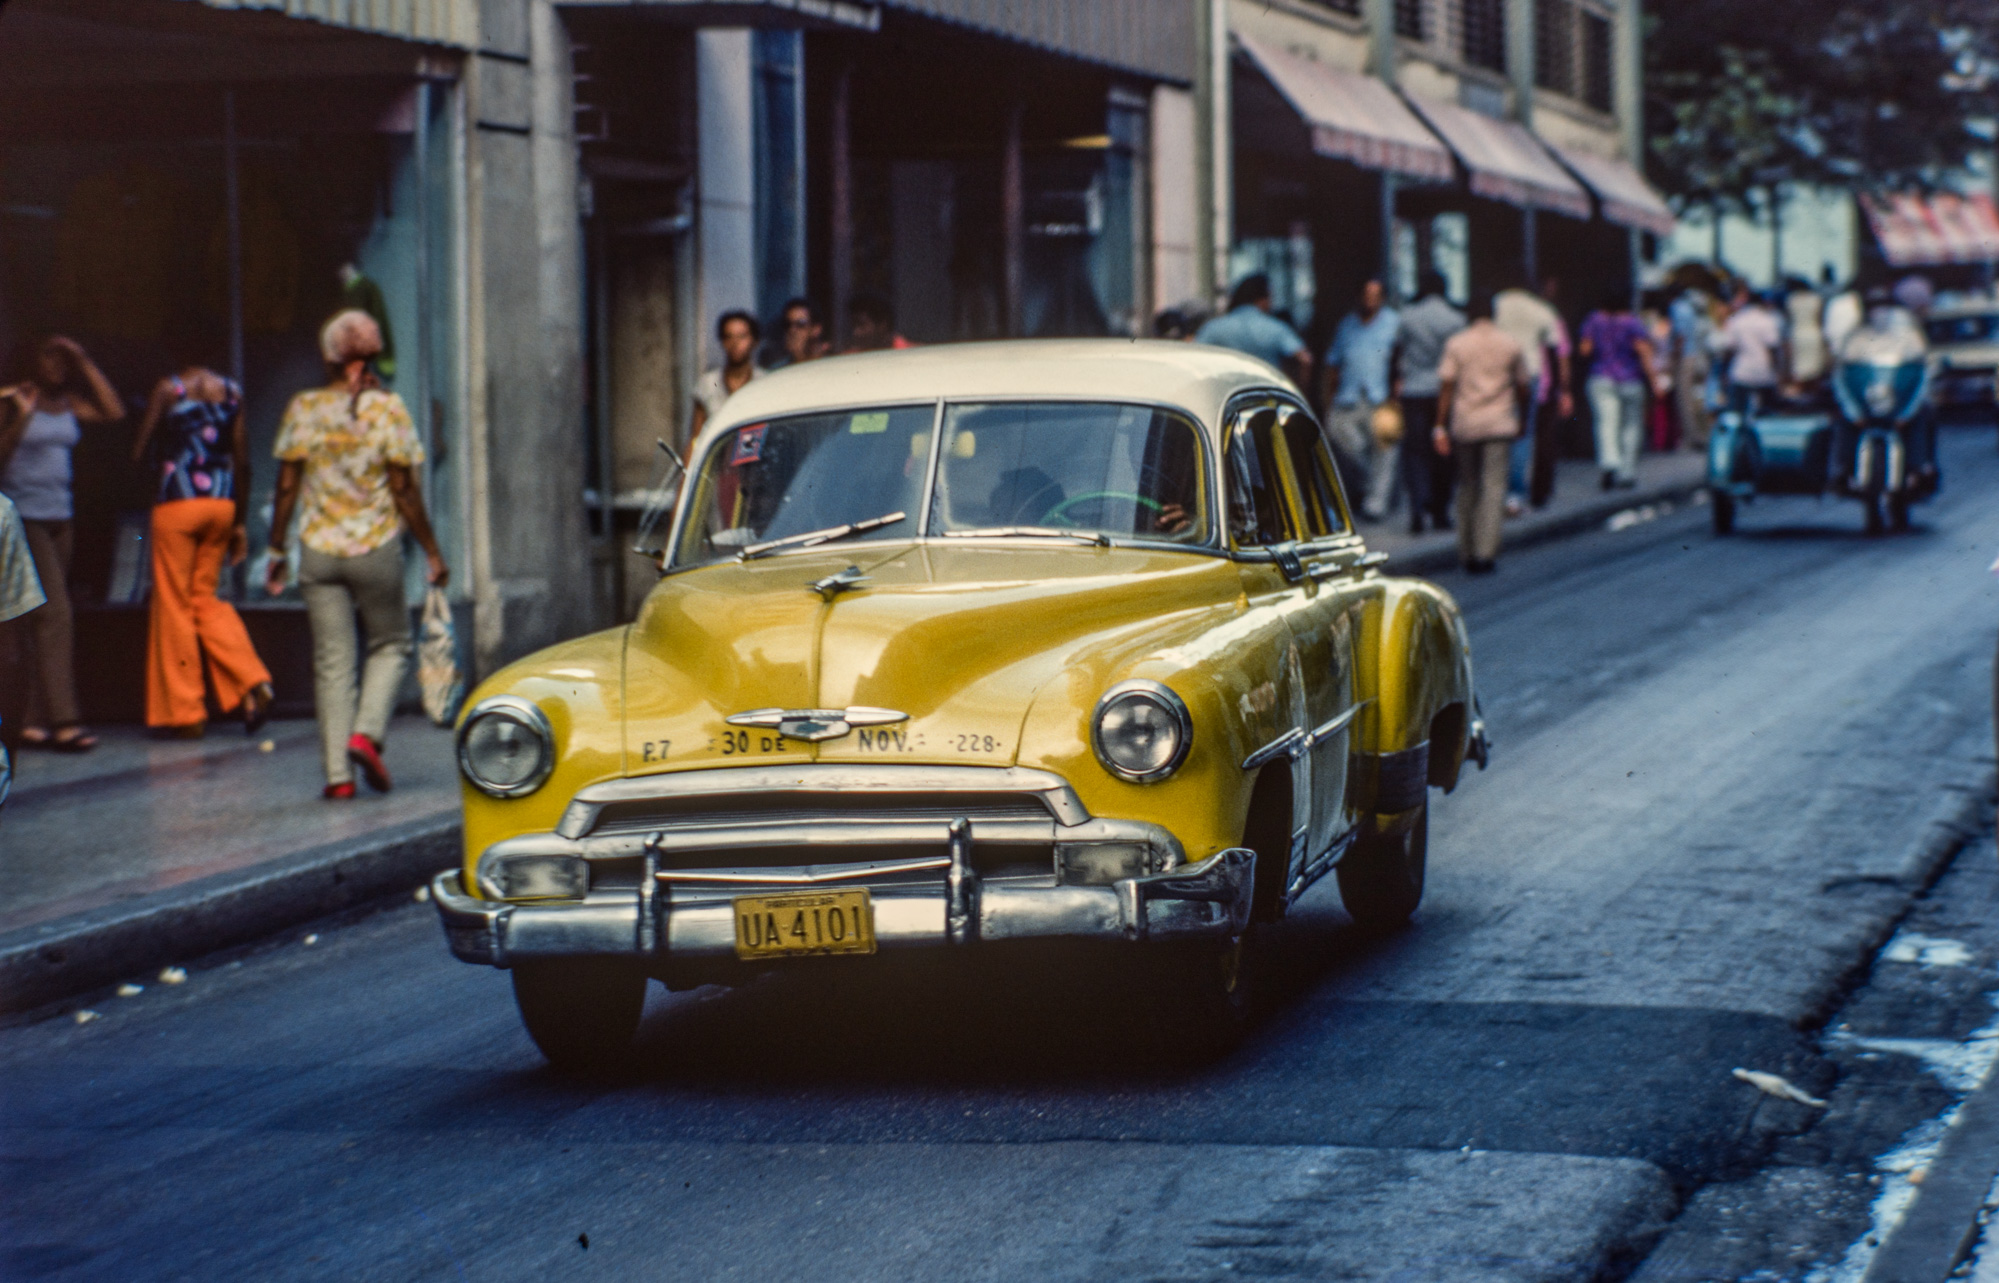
x,y
765,482
1127,471
1980,328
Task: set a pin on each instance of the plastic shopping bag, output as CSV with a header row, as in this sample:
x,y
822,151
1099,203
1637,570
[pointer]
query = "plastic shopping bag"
x,y
437,660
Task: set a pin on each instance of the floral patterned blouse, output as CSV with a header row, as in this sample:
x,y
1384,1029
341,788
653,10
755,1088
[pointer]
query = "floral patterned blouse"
x,y
344,502
196,456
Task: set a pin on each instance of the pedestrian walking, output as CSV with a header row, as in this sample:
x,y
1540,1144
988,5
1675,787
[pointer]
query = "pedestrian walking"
x,y
1531,320
871,326
200,516
1692,328
1249,328
1804,310
1358,382
1481,385
800,336
1751,341
1619,349
41,421
348,454
738,332
20,594
1427,324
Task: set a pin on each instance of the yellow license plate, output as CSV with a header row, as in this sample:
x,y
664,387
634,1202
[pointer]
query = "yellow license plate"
x,y
804,922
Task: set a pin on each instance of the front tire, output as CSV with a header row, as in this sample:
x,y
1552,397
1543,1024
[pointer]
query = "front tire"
x,y
581,1012
1381,878
1202,996
1721,506
1898,512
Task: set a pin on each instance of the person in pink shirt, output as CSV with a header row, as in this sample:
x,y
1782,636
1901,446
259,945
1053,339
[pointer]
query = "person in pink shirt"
x,y
1481,382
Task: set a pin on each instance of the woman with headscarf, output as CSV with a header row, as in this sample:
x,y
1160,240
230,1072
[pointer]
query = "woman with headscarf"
x,y
348,453
200,513
41,421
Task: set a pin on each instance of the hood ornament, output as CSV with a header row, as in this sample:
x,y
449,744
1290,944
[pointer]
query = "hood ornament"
x,y
815,725
835,584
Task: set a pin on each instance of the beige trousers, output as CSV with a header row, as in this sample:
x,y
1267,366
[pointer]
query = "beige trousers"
x,y
335,588
1481,497
43,642
1690,397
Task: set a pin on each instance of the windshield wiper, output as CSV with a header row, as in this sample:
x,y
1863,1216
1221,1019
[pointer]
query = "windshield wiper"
x,y
1096,537
813,538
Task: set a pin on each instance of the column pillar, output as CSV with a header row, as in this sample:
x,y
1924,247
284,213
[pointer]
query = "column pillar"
x,y
725,227
840,182
1013,214
1175,151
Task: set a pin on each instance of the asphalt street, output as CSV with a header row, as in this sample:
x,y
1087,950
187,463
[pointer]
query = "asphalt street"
x,y
1715,763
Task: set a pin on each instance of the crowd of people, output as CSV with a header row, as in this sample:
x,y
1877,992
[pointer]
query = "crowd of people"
x,y
345,455
1457,416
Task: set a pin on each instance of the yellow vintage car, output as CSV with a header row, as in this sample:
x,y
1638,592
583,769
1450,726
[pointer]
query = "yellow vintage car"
x,y
958,645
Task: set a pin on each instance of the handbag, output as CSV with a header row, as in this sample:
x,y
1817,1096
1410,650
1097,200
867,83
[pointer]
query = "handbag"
x,y
437,660
1386,423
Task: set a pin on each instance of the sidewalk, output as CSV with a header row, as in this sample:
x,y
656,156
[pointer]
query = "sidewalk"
x,y
147,852
1579,504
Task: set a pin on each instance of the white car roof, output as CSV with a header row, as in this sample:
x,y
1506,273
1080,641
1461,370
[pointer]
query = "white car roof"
x,y
1193,377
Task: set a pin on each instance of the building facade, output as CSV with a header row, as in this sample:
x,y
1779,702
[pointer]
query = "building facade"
x,y
549,204
1497,140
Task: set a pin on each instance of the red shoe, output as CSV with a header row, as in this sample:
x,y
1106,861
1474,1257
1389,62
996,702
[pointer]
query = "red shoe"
x,y
338,792
367,755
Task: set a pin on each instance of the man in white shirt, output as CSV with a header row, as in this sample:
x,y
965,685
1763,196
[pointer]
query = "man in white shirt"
x,y
1531,320
1752,341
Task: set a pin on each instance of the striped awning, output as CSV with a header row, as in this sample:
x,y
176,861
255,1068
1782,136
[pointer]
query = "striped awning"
x,y
1621,191
1503,161
1933,230
1352,117
439,22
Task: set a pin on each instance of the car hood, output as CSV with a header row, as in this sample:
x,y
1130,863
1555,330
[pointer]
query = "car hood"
x,y
958,638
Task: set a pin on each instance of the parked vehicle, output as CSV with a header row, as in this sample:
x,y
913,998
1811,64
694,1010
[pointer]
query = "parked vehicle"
x,y
968,644
1869,435
1964,338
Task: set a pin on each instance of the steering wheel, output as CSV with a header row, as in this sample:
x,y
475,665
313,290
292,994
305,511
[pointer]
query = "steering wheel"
x,y
1059,514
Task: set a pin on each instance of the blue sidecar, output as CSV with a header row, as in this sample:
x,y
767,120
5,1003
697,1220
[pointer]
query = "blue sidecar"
x,y
1870,435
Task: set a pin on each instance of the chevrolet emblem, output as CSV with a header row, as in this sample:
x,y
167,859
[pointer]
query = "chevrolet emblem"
x,y
815,725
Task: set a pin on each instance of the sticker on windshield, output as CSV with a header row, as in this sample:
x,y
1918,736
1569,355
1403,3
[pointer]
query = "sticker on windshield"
x,y
862,425
749,446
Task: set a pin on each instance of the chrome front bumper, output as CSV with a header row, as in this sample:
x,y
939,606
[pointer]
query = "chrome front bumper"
x,y
1207,900
950,855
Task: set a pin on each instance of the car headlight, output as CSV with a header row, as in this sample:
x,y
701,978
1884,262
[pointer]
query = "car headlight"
x,y
1141,731
505,747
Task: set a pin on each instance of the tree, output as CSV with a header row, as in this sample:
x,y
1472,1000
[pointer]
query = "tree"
x,y
1852,94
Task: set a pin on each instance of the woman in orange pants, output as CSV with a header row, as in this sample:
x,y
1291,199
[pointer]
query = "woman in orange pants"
x,y
198,523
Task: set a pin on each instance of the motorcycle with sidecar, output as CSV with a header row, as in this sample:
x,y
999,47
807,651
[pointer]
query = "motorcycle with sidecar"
x,y
1869,434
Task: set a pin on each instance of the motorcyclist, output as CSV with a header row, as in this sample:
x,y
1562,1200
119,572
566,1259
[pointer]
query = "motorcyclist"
x,y
1888,335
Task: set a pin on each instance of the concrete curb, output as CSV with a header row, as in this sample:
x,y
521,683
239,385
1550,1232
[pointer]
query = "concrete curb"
x,y
1941,1227
1538,529
132,939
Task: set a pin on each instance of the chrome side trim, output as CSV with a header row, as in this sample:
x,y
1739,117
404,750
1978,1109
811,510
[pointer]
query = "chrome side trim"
x,y
1320,734
1291,744
740,782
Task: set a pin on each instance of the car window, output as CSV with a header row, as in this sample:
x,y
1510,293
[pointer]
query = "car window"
x,y
1257,515
766,481
1129,471
1320,500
